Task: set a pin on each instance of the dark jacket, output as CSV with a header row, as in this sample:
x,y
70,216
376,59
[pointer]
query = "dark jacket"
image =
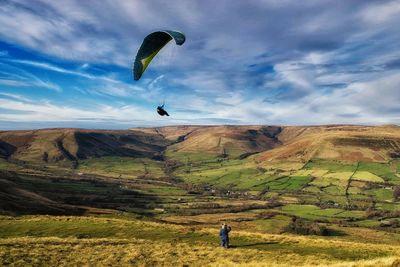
x,y
224,232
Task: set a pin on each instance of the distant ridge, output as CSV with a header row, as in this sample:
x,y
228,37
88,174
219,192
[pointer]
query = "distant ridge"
x,y
300,143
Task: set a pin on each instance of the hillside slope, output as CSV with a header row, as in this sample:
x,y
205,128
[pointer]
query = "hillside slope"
x,y
339,142
228,141
15,199
67,146
298,143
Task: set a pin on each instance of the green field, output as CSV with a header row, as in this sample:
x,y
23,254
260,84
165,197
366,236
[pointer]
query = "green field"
x,y
138,211
122,167
43,240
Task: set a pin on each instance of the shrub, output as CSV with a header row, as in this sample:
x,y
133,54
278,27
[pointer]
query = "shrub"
x,y
274,202
396,192
266,215
372,213
303,227
394,223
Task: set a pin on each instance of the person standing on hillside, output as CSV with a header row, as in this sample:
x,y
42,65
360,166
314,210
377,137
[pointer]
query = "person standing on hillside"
x,y
224,235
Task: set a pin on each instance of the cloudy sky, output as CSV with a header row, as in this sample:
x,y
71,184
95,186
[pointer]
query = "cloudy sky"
x,y
68,63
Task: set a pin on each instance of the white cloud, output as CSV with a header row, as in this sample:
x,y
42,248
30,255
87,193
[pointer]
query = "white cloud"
x,y
15,96
12,76
381,12
305,42
15,83
19,111
360,101
108,84
51,67
296,76
154,84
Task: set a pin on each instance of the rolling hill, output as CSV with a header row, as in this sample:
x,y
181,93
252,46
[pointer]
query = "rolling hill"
x,y
252,159
339,142
67,146
176,184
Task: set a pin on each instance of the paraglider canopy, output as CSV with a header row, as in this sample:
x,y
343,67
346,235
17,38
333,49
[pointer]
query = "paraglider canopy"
x,y
151,45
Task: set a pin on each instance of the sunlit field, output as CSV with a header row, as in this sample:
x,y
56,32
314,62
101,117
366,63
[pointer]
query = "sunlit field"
x,y
49,241
153,200
141,218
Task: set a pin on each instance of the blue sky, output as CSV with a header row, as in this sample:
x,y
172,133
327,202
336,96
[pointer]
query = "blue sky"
x,y
68,64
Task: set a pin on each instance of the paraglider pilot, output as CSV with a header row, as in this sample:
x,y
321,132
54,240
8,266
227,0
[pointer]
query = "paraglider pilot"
x,y
149,48
224,235
161,111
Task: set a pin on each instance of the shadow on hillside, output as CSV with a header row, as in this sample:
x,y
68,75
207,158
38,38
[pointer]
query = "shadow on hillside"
x,y
29,194
252,245
334,232
100,144
6,149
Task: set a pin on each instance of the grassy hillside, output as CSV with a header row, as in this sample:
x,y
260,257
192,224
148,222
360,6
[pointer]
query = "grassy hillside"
x,y
294,165
346,143
225,141
327,195
116,242
349,143
65,147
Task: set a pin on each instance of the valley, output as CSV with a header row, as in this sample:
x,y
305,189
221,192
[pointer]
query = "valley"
x,y
285,190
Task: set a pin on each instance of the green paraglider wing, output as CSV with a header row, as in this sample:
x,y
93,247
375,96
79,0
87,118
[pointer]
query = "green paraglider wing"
x,y
151,45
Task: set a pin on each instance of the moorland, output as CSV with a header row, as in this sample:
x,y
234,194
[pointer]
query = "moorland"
x,y
294,195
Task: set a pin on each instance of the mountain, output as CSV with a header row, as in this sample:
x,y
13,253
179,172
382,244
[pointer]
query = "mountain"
x,y
298,143
338,142
227,141
163,171
68,146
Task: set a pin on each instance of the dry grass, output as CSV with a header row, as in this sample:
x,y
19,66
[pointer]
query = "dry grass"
x,y
368,177
212,218
313,172
116,252
230,140
343,176
249,249
349,143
